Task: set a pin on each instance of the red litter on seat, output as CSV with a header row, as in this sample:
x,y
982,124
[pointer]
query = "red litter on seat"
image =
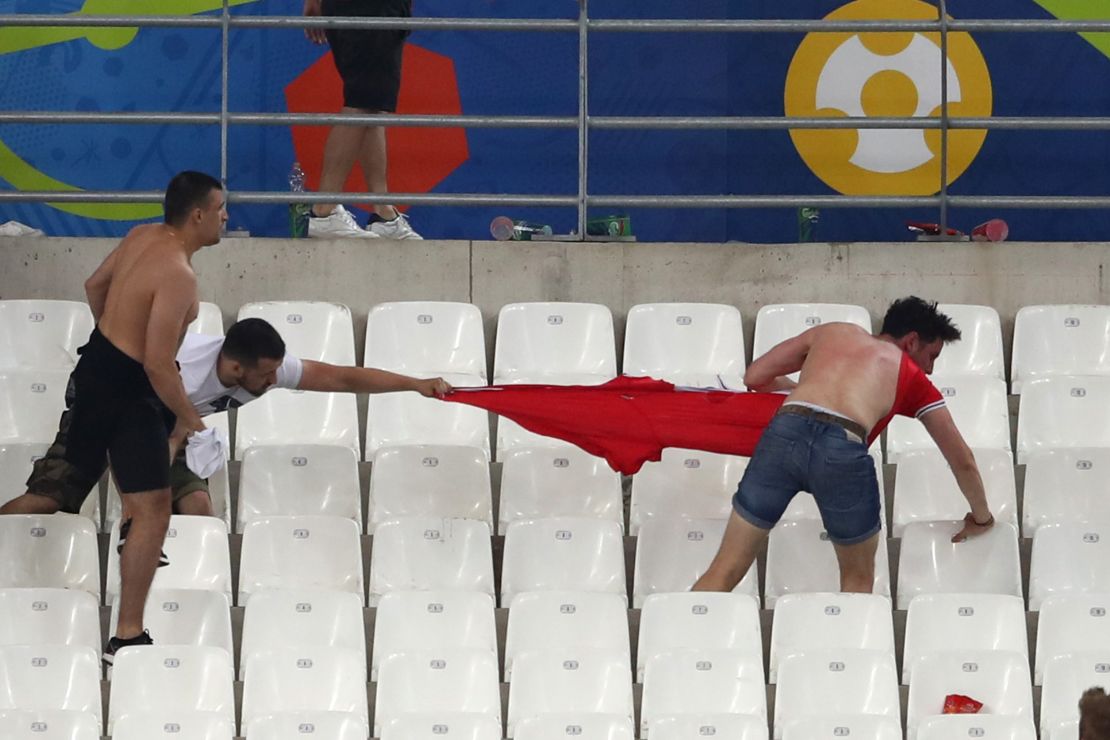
x,y
960,704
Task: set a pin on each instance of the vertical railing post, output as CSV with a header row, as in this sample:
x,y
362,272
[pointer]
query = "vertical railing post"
x,y
583,113
943,10
225,29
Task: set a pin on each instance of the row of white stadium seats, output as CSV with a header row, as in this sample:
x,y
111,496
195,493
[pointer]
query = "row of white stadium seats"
x,y
546,554
688,343
436,620
553,680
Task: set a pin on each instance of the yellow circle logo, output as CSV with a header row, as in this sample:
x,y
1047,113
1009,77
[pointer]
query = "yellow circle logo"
x,y
883,75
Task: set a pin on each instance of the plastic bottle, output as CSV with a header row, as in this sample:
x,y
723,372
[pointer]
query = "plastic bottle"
x,y
298,212
505,229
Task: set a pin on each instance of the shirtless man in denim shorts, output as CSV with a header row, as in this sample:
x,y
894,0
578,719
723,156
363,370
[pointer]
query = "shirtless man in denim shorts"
x,y
850,386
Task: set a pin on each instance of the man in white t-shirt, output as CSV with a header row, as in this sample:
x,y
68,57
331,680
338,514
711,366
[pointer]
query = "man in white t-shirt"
x,y
219,373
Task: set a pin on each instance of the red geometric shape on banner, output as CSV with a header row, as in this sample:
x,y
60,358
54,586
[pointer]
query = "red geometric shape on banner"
x,y
419,158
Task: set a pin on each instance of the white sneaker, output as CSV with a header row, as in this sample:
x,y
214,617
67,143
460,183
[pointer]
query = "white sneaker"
x,y
337,224
397,228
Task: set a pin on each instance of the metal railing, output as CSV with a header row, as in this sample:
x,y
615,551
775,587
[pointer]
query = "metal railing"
x,y
583,122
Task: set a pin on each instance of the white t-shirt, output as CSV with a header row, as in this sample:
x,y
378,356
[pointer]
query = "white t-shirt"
x,y
197,358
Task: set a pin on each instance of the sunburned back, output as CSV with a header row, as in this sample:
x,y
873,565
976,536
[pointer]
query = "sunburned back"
x,y
144,259
850,372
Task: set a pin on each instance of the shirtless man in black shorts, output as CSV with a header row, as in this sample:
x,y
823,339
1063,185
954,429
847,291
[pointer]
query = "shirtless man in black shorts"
x,y
126,397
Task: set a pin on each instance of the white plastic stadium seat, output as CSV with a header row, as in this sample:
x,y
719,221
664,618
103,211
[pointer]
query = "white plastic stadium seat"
x,y
304,678
870,726
305,617
1069,558
550,482
49,551
432,620
406,418
286,480
540,620
702,681
430,481
48,724
979,350
801,560
1066,677
437,681
931,563
1066,485
1059,340
690,726
426,337
31,402
430,554
548,342
43,334
198,552
49,616
16,462
990,727
434,725
829,620
836,681
50,677
779,322
997,678
209,320
171,678
564,680
284,416
1063,411
978,406
1071,623
926,490
174,725
584,725
698,620
312,330
672,554
939,622
186,616
563,554
308,725
283,552
688,483
694,344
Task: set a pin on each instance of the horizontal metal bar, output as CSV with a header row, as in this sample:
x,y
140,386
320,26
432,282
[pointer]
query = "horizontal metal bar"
x,y
569,201
562,122
553,24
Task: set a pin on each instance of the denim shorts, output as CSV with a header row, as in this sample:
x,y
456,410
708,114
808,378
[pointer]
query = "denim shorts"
x,y
802,454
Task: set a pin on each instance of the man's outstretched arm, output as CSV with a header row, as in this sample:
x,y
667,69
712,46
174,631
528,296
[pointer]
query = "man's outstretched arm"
x,y
324,377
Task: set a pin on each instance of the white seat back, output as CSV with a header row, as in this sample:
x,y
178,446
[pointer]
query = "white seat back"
x,y
1066,677
294,552
43,334
285,480
979,350
1059,340
1063,411
48,724
1068,485
801,560
420,337
430,481
672,554
31,402
434,725
564,680
441,681
778,322
198,552
702,681
540,620
49,616
49,551
303,725
312,330
305,678
50,677
209,320
170,678
688,483
286,417
174,725
545,340
552,482
992,727
432,620
871,726
1069,558
430,554
939,622
186,616
926,490
931,563
685,343
563,554
978,406
830,620
998,679
701,620
1071,623
401,419
688,727
587,725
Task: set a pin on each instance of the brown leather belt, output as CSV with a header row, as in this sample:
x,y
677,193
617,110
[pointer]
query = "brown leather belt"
x,y
846,424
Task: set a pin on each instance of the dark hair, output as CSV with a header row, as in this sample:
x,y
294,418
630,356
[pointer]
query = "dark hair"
x,y
249,340
910,314
186,191
1094,715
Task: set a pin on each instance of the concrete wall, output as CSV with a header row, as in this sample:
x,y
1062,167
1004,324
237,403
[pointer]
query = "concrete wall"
x,y
491,274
